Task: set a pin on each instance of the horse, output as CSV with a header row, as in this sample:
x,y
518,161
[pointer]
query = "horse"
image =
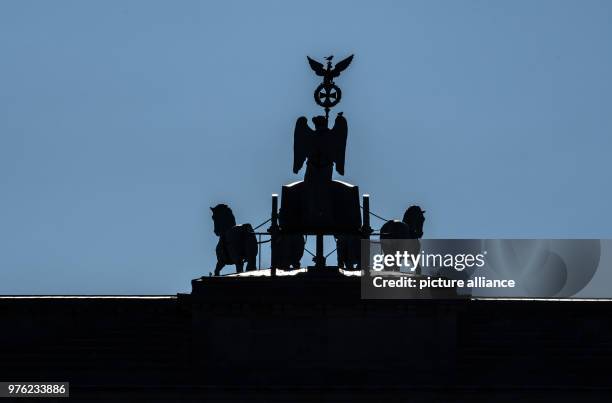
x,y
237,243
394,233
287,251
348,251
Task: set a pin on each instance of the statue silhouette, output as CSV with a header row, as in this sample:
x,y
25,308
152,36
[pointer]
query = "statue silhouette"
x,y
320,204
237,243
394,234
411,226
327,72
348,251
328,94
287,251
322,147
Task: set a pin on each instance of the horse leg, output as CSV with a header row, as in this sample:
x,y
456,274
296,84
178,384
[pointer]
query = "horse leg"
x,y
239,265
252,262
218,268
339,257
251,251
355,253
292,256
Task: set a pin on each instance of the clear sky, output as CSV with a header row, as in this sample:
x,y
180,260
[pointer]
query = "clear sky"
x,y
121,122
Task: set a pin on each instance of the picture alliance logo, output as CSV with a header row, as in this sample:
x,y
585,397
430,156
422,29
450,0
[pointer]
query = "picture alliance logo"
x,y
410,261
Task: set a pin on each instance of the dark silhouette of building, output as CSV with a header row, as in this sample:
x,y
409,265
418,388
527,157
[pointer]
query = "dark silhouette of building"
x,y
311,338
307,334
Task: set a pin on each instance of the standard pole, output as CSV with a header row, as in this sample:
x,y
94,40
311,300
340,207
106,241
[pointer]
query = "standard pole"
x,y
319,256
273,231
274,210
366,231
366,216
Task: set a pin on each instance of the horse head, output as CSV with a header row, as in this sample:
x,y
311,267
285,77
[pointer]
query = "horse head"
x,y
414,217
223,218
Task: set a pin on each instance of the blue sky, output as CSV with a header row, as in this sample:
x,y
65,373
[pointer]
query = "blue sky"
x,y
122,121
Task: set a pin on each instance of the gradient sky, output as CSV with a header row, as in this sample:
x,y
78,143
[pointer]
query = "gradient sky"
x,y
121,122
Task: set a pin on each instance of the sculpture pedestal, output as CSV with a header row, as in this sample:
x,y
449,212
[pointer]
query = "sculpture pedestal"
x,y
312,329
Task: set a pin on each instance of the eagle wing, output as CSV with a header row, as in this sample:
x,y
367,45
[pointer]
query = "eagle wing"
x,y
340,133
301,142
316,66
341,66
